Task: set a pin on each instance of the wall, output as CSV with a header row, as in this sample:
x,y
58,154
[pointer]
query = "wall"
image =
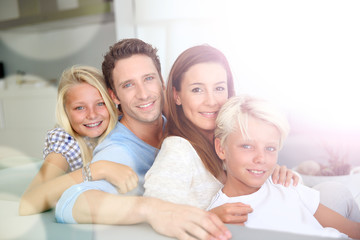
x,y
303,55
48,52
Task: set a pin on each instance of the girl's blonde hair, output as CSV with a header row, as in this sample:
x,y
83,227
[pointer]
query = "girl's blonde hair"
x,y
234,115
92,76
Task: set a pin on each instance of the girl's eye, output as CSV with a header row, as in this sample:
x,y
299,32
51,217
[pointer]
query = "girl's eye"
x,y
101,104
196,90
246,146
79,108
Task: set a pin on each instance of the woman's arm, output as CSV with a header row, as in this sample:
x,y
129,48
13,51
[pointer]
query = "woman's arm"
x,y
284,176
330,218
52,180
180,221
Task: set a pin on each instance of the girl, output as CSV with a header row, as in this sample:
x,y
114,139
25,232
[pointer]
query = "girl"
x,y
85,115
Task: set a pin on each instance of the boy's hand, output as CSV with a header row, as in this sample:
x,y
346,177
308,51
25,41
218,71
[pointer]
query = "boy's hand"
x,y
283,176
233,213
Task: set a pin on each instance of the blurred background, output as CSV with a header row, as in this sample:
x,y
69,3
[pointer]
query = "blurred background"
x,y
303,55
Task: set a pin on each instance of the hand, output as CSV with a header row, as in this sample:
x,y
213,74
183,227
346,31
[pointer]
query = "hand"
x,y
282,175
186,222
233,213
119,175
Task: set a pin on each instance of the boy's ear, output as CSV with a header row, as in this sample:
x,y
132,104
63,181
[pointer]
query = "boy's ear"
x,y
219,150
176,97
113,96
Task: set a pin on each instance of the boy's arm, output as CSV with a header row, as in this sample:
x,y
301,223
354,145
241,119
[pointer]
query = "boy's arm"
x,y
330,218
180,221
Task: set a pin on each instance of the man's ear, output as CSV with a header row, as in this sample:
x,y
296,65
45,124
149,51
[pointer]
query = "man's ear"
x,y
219,149
176,97
113,96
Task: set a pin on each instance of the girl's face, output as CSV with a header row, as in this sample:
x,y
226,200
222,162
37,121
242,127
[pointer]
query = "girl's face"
x,y
203,92
86,110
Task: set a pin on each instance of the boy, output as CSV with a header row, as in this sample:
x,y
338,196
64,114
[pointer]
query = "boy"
x,y
248,136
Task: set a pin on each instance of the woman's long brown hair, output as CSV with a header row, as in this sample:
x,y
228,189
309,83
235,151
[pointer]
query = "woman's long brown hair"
x,y
177,123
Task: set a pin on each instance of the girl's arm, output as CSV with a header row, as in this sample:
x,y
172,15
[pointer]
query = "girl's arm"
x,y
48,185
52,180
330,218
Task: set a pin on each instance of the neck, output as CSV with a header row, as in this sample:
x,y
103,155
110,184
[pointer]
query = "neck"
x,y
151,133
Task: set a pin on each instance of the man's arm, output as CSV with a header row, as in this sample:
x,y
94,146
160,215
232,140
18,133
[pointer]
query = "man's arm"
x,y
180,221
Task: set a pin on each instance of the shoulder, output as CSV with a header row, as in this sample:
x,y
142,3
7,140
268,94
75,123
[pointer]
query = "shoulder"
x,y
59,134
176,142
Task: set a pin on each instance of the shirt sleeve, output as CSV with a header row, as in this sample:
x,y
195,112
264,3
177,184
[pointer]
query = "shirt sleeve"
x,y
59,141
170,176
309,197
65,205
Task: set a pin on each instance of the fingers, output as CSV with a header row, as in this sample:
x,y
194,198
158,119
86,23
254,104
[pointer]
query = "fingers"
x,y
128,184
233,213
275,175
207,226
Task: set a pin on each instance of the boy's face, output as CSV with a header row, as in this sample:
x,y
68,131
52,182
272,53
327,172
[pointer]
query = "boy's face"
x,y
249,162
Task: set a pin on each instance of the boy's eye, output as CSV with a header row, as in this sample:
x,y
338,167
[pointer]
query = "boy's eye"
x,y
271,149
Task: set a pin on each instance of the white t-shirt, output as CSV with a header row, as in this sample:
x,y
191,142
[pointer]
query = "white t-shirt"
x,y
179,176
280,208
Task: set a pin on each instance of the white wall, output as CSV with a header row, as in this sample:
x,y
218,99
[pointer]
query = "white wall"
x,y
304,55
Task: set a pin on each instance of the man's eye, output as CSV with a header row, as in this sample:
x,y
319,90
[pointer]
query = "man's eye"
x,y
127,85
149,78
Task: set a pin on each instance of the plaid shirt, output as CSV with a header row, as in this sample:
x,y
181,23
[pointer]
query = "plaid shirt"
x,y
59,141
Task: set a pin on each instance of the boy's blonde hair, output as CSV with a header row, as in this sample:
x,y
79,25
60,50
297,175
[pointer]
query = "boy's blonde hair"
x,y
235,113
71,77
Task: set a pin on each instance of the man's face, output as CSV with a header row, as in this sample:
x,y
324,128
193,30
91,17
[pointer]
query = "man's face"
x,y
138,88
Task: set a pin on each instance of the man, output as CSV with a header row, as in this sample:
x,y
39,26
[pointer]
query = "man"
x,y
133,75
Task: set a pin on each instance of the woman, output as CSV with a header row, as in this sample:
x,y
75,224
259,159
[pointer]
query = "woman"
x,y
187,169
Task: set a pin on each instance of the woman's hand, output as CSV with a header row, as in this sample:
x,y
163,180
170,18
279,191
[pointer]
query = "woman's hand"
x,y
283,176
119,175
233,213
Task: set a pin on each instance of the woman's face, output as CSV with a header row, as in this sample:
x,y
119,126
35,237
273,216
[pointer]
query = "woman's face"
x,y
86,110
203,92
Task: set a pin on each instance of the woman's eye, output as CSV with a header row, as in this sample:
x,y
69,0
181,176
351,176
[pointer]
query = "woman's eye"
x,y
220,88
196,90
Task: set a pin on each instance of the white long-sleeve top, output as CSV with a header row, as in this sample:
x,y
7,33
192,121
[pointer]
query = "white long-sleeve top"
x,y
179,176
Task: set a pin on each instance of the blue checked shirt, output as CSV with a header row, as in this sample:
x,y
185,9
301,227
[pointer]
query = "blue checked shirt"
x,y
59,141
